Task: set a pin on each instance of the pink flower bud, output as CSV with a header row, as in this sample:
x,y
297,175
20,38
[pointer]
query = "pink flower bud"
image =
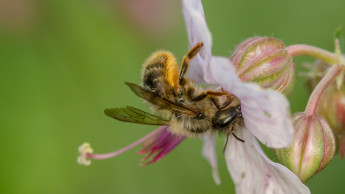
x,y
265,61
312,149
332,107
332,102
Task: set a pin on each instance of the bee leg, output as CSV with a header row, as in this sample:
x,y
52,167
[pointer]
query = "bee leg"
x,y
191,95
194,51
186,60
215,101
199,97
172,90
213,93
203,95
227,102
227,140
224,105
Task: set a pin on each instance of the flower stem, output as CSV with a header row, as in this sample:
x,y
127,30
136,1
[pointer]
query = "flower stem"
x,y
120,151
328,57
320,89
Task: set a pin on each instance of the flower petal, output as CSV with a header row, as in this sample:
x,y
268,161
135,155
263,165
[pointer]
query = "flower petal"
x,y
266,113
197,32
253,172
160,145
209,152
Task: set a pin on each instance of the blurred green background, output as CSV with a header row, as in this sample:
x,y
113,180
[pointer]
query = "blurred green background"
x,y
62,62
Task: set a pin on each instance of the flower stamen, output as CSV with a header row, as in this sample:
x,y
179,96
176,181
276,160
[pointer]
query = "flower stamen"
x,y
84,150
87,152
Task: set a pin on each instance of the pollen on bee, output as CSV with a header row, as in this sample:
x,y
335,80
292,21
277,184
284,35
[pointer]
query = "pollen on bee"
x,y
162,63
172,71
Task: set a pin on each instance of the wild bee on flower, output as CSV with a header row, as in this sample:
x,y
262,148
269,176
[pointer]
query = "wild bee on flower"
x,y
191,111
247,107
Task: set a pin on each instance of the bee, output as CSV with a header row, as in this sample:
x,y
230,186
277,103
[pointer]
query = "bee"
x,y
191,111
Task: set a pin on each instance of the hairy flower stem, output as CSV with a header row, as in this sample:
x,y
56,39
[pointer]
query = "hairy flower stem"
x,y
120,151
320,89
328,57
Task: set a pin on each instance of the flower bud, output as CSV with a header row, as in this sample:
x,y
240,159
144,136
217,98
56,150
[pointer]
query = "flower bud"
x,y
332,102
312,149
265,61
332,107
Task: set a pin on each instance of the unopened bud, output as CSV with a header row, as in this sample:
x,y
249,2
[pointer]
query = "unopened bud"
x,y
332,102
312,149
332,107
265,61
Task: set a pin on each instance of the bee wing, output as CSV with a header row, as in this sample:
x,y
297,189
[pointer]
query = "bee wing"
x,y
160,101
134,115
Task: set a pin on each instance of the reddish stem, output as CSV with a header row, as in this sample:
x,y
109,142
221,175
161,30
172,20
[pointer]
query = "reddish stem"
x,y
320,89
301,49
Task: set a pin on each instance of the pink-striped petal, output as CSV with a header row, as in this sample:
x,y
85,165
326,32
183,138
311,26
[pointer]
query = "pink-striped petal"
x,y
266,113
209,152
160,145
253,172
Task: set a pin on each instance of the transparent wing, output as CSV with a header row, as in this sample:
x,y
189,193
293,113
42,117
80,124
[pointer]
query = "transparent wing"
x,y
134,115
160,101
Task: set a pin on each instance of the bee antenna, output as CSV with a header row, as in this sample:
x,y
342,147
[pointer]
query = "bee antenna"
x,y
227,139
239,139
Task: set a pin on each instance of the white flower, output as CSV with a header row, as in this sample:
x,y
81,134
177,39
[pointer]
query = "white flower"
x,y
265,112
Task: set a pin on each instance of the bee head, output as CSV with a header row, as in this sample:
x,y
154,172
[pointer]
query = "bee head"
x,y
224,118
